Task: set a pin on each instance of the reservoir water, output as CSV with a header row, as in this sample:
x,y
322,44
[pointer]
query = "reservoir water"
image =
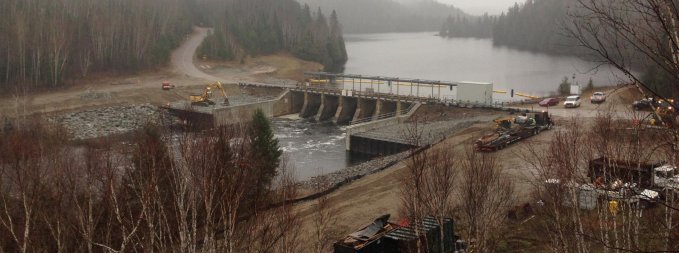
x,y
318,148
426,56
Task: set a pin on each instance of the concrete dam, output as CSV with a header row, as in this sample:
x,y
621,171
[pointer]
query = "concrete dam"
x,y
357,111
354,101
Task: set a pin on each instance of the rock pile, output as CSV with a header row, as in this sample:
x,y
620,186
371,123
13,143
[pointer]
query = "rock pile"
x,y
102,122
346,175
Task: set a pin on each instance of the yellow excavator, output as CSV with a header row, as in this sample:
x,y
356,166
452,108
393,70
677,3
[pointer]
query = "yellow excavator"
x,y
664,113
204,99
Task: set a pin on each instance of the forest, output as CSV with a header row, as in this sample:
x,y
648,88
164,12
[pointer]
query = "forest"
x,y
47,43
266,26
534,25
468,27
382,16
560,27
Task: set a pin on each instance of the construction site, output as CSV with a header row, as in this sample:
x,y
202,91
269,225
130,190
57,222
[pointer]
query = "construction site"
x,y
383,120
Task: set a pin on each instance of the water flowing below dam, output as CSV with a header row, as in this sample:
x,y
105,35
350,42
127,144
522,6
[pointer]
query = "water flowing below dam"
x,y
314,148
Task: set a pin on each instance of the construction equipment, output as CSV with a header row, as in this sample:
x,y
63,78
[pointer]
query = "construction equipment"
x,y
664,113
205,98
509,130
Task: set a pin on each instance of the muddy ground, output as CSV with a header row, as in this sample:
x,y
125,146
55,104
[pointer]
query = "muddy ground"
x,y
108,90
357,204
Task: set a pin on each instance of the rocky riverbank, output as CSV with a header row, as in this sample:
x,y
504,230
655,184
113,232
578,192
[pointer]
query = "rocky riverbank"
x,y
100,122
346,175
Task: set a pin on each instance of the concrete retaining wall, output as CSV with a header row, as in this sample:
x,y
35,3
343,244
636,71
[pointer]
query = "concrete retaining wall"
x,y
283,105
360,128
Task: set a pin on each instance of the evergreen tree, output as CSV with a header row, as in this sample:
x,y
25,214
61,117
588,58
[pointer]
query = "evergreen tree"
x,y
565,86
265,151
590,85
268,26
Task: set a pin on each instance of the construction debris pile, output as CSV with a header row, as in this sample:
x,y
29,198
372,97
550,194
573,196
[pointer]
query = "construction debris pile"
x,y
107,121
384,236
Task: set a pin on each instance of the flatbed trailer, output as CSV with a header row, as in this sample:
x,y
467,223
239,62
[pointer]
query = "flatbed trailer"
x,y
504,137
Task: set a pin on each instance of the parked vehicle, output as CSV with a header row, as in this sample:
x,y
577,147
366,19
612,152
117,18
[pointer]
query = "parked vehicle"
x,y
643,104
666,177
597,98
657,176
549,102
167,85
572,102
509,131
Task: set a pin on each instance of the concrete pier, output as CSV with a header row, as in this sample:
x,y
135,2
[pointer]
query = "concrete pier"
x,y
364,109
312,102
345,110
383,107
328,107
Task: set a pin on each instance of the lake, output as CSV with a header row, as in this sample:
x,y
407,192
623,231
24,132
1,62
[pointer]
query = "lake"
x,y
426,56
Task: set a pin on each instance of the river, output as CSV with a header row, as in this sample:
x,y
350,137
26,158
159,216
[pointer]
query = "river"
x,y
318,148
313,148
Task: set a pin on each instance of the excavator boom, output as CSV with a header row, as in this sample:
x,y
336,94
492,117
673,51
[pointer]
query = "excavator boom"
x,y
204,98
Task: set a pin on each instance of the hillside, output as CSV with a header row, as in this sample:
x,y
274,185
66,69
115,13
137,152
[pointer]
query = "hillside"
x,y
379,16
258,27
47,43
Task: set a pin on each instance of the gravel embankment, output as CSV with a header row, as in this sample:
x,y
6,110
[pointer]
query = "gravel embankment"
x,y
107,121
349,174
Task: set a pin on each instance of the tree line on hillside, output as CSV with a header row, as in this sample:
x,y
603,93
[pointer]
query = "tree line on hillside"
x,y
536,25
382,16
266,26
533,25
45,42
468,27
564,27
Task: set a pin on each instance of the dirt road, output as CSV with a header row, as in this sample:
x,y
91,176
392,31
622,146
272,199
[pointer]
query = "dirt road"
x,y
182,57
357,204
112,89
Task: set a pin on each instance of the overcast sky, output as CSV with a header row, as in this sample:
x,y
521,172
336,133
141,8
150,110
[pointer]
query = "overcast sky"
x,y
478,7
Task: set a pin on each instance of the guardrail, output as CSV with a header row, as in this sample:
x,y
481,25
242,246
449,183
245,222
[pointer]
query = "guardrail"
x,y
334,90
383,116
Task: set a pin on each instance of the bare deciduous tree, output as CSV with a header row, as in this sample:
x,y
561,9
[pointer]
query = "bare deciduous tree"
x,y
567,189
485,194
